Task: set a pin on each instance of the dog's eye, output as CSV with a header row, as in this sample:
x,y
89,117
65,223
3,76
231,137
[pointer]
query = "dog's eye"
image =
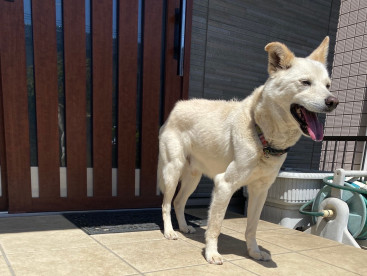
x,y
328,86
306,82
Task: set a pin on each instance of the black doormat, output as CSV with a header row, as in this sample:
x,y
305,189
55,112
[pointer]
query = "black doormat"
x,y
94,223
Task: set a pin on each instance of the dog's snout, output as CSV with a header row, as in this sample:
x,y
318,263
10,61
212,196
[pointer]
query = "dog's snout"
x,y
331,102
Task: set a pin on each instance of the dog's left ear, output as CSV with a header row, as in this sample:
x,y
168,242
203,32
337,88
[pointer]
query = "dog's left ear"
x,y
280,57
321,52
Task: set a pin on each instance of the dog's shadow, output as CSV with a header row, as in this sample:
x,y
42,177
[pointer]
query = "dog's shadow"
x,y
228,245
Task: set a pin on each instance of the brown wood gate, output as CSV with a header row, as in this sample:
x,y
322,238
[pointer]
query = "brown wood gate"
x,y
87,139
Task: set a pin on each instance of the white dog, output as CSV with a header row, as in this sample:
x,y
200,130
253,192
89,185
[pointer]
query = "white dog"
x,y
242,143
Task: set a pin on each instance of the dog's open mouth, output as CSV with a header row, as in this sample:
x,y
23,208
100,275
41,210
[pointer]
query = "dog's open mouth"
x,y
308,122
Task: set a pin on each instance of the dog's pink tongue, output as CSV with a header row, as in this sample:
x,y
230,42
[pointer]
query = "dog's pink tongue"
x,y
314,127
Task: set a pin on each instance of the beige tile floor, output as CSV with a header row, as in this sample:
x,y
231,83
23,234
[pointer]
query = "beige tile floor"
x,y
51,245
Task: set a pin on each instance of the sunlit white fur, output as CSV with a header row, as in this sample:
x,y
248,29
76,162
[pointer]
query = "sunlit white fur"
x,y
218,139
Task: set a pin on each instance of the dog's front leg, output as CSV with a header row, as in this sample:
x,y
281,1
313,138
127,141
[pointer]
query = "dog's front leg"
x,y
257,197
225,185
221,196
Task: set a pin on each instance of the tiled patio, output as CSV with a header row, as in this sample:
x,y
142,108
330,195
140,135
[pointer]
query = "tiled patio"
x,y
51,245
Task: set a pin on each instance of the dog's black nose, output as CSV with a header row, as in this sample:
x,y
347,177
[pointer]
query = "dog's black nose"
x,y
331,102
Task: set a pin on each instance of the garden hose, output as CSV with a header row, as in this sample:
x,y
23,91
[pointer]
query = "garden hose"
x,y
327,181
324,213
355,198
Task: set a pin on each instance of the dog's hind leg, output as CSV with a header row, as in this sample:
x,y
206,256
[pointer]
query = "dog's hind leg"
x,y
170,166
257,197
189,180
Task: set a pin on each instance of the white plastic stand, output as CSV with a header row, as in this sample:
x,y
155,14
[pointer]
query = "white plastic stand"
x,y
335,227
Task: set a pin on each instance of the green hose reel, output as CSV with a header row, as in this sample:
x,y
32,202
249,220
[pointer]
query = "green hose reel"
x,y
355,199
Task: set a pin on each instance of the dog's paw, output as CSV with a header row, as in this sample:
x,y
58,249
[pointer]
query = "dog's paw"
x,y
171,235
188,229
260,255
214,258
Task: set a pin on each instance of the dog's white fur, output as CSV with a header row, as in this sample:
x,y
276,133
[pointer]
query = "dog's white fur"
x,y
219,139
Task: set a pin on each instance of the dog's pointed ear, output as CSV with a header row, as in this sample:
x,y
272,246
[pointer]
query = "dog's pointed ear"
x,y
280,57
321,52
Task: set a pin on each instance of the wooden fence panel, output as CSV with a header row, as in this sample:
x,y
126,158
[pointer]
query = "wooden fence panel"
x,y
75,97
102,97
159,71
45,74
176,87
151,95
15,105
186,76
4,187
127,87
173,81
